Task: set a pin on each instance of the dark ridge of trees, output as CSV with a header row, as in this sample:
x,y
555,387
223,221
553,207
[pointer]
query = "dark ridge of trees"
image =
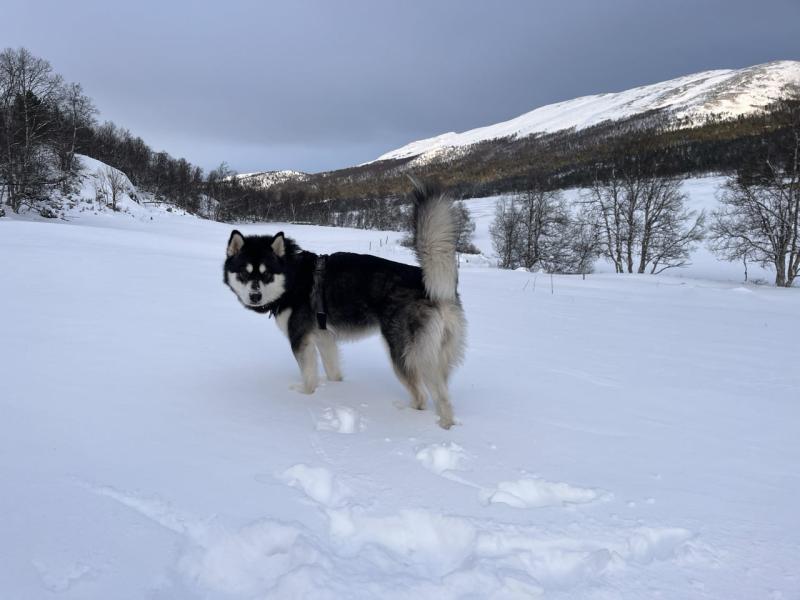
x,y
172,180
566,158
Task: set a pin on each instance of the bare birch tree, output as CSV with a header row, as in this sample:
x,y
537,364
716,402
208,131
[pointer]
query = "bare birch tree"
x,y
605,201
644,225
544,221
506,233
759,217
28,86
110,185
76,112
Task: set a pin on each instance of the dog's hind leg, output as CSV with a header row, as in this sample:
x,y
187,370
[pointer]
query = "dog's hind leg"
x,y
407,376
329,352
436,348
413,384
438,388
306,354
453,338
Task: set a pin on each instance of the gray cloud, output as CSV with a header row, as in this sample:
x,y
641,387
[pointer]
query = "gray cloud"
x,y
315,85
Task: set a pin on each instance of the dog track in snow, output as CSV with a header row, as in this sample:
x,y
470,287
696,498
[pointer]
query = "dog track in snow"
x,y
341,419
449,551
440,458
445,458
536,493
439,555
318,483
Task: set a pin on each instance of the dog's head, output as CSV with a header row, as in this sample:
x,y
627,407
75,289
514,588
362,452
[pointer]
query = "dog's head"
x,y
255,268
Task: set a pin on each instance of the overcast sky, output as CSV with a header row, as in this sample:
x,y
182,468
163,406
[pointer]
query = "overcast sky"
x,y
316,85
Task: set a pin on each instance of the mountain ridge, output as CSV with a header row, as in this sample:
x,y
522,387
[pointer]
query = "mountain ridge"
x,y
690,99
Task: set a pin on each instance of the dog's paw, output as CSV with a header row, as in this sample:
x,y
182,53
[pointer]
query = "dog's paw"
x,y
302,388
446,423
335,377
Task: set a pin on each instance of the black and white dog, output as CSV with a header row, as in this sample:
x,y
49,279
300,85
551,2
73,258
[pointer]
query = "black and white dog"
x,y
318,300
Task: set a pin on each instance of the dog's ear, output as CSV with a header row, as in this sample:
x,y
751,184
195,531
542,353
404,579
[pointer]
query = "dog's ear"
x,y
235,243
278,244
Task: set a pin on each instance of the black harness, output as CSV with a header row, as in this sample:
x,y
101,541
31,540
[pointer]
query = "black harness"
x,y
318,303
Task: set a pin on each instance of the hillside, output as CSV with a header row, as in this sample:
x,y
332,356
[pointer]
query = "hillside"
x,y
266,179
714,121
688,101
710,122
90,196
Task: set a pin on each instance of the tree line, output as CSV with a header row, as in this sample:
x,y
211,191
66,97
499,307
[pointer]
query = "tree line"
x,y
634,215
634,219
42,123
45,122
633,212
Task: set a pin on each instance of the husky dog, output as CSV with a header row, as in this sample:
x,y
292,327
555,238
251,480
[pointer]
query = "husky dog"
x,y
318,300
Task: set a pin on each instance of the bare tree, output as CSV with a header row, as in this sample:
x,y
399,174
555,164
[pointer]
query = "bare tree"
x,y
76,112
506,233
667,230
606,201
109,186
466,228
643,221
759,219
584,243
544,223
28,87
533,230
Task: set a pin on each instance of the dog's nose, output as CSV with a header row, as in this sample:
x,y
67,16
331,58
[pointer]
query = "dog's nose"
x,y
255,298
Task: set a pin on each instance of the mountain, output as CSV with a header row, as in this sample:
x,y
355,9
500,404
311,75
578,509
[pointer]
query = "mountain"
x,y
689,101
709,122
266,179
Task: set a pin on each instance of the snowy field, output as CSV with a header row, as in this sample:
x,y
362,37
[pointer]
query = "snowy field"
x,y
620,436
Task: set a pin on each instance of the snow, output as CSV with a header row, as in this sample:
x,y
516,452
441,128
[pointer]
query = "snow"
x,y
535,493
439,458
267,179
84,204
621,436
318,483
730,93
341,419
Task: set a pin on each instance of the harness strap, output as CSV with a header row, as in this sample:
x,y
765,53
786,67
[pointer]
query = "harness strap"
x,y
318,304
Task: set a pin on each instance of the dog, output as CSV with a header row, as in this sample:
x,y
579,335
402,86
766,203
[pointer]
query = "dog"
x,y
318,300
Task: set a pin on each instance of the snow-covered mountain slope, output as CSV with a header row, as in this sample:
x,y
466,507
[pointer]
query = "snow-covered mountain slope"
x,y
620,437
266,179
691,99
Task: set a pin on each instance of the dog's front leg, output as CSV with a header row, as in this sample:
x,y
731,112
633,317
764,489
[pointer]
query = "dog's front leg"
x,y
329,353
306,354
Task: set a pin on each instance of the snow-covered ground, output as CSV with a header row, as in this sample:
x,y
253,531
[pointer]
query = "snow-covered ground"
x,y
620,436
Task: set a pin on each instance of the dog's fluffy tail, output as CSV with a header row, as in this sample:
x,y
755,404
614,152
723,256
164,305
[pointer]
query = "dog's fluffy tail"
x,y
435,236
